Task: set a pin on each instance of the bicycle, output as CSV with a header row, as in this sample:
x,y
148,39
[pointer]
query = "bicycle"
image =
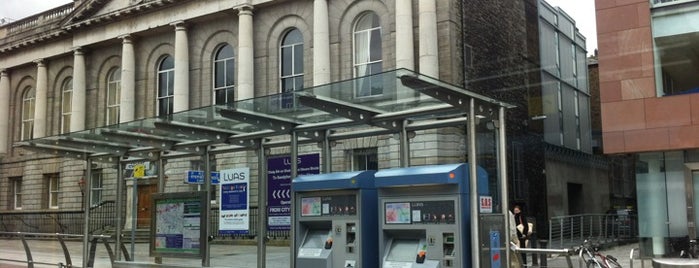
x,y
691,251
594,259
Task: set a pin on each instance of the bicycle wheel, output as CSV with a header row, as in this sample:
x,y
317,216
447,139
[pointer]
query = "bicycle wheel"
x,y
592,264
611,262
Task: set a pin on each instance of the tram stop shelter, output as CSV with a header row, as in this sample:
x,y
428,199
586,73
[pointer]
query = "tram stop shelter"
x,y
408,102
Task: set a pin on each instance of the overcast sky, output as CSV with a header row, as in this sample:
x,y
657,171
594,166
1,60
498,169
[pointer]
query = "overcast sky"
x,y
582,11
17,9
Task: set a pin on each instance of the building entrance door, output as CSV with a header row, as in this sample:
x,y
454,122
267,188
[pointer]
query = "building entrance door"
x,y
145,205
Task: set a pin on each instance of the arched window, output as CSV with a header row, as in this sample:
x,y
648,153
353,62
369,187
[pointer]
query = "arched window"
x,y
166,91
367,55
224,75
113,95
291,61
291,66
28,105
66,104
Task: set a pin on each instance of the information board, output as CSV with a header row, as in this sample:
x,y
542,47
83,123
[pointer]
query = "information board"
x,y
234,208
176,225
279,187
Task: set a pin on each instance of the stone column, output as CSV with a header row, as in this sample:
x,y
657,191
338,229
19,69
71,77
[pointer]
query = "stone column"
x,y
181,81
4,110
41,100
246,59
127,100
77,116
405,52
429,47
321,43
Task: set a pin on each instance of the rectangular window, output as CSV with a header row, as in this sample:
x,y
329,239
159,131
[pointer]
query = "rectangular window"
x,y
518,167
365,159
16,193
52,190
96,188
674,44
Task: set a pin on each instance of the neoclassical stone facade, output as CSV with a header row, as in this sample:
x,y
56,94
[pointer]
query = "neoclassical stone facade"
x,y
94,63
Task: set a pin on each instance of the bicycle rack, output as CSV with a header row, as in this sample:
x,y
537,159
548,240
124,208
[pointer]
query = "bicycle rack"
x,y
60,238
632,257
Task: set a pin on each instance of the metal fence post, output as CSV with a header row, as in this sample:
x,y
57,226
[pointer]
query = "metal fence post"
x,y
543,244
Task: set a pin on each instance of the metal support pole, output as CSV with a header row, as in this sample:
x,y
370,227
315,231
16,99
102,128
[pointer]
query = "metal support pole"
x,y
502,172
404,145
261,206
86,216
27,251
161,173
293,147
473,185
327,153
206,256
161,188
119,206
134,217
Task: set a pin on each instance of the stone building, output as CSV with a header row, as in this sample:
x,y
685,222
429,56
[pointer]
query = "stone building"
x,y
92,63
95,63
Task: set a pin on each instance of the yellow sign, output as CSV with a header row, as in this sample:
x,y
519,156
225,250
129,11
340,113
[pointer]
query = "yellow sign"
x,y
139,171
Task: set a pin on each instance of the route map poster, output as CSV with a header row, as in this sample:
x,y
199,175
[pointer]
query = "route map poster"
x,y
177,224
234,208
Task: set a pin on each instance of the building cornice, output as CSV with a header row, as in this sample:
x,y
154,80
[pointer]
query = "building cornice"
x,y
71,20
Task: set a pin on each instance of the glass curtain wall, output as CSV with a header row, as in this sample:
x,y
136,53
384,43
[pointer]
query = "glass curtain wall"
x,y
659,177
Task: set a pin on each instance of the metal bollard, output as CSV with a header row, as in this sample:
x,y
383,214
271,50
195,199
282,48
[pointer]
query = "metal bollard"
x,y
543,243
535,257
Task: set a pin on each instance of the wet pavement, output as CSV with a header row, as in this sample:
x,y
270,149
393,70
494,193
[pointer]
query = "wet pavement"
x,y
48,253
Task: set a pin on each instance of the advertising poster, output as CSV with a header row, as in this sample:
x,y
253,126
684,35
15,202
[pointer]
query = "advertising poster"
x,y
279,187
234,208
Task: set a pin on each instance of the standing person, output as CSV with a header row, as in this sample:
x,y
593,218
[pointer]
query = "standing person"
x,y
522,229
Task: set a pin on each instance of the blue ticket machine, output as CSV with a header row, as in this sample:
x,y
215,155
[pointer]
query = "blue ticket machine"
x,y
335,217
424,215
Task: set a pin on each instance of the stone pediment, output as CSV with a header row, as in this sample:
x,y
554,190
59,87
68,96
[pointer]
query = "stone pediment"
x,y
86,9
91,12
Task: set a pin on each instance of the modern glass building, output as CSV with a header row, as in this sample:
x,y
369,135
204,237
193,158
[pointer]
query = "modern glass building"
x,y
647,74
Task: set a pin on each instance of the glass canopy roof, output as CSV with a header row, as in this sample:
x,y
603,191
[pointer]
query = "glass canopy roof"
x,y
399,99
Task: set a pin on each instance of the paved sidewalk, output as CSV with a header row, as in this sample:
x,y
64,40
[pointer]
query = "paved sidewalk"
x,y
48,251
620,252
239,256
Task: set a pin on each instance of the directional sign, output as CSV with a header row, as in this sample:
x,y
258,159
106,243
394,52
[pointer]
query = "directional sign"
x,y
279,187
281,194
197,177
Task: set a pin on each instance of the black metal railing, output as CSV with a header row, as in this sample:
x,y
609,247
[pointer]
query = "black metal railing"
x,y
571,230
103,219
